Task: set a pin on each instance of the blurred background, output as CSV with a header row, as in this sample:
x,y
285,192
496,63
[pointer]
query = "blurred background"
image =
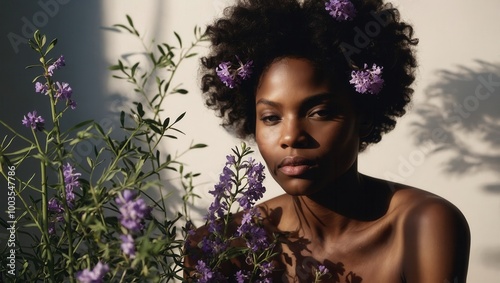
x,y
448,143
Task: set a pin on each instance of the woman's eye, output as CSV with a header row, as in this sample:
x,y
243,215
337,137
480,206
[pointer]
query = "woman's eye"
x,y
270,119
321,113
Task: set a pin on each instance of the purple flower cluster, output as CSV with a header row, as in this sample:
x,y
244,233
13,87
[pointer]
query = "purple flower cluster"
x,y
33,121
58,64
132,210
63,90
255,176
368,80
95,275
239,183
70,182
341,10
255,236
232,77
54,205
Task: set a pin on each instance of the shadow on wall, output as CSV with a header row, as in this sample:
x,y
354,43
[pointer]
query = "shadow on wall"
x,y
460,116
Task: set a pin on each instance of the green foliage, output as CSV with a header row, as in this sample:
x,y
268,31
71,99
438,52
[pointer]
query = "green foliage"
x,y
87,230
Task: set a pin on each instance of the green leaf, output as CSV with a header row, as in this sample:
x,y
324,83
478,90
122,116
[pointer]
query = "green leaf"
x,y
180,117
51,45
140,110
198,145
124,27
122,118
181,91
178,38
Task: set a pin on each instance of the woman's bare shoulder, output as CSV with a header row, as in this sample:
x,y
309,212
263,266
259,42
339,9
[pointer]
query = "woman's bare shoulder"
x,y
436,235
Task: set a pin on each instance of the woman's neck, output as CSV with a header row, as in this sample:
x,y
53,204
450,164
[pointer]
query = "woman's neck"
x,y
353,199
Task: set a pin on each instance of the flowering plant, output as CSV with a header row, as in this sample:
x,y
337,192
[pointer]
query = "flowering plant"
x,y
103,218
234,226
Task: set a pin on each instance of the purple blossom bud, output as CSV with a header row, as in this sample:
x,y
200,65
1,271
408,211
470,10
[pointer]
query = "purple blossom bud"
x,y
95,275
341,10
70,182
60,62
41,88
132,211
55,206
63,91
33,121
127,245
125,196
205,274
322,270
52,228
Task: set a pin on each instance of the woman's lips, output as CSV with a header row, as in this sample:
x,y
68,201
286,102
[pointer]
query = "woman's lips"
x,y
294,166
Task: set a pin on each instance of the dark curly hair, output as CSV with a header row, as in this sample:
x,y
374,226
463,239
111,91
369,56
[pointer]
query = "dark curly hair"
x,y
266,30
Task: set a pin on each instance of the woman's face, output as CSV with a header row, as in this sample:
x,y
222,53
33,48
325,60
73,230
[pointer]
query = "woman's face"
x,y
306,128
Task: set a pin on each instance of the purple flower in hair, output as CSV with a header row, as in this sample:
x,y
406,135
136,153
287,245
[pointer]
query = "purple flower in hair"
x,y
341,10
225,74
232,77
368,80
33,121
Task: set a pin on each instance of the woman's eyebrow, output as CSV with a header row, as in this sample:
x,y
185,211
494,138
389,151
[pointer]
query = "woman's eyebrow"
x,y
267,102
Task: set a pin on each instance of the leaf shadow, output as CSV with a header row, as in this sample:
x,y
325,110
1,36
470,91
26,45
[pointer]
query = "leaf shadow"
x,y
460,117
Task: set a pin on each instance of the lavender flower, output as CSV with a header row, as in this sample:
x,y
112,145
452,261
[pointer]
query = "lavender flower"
x,y
71,104
255,191
63,91
52,228
93,276
323,270
225,75
204,272
341,10
41,88
55,206
127,245
266,269
60,62
132,211
368,80
33,121
70,182
241,276
232,77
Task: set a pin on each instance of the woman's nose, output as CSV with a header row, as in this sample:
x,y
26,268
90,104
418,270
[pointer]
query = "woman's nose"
x,y
293,134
